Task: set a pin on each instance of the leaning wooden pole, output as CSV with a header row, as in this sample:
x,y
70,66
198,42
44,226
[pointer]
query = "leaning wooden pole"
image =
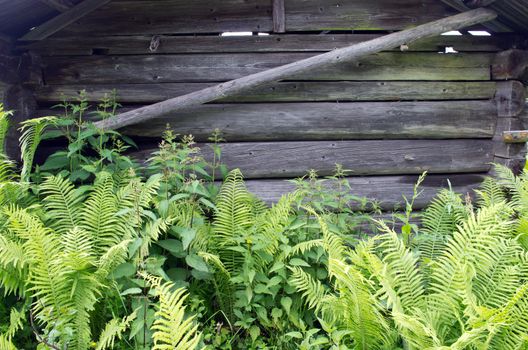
x,y
349,53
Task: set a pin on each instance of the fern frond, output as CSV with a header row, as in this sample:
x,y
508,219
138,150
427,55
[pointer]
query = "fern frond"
x,y
471,246
62,202
114,330
32,130
224,287
113,257
151,233
490,193
232,220
400,267
172,329
16,319
272,222
333,243
6,344
311,289
358,310
4,127
42,247
98,215
77,285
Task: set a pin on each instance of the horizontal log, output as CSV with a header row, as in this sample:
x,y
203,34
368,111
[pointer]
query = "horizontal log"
x,y
140,44
222,67
386,190
327,121
214,16
282,91
331,121
365,157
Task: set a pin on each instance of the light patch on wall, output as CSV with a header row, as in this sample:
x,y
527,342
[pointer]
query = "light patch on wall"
x,y
236,34
452,32
479,33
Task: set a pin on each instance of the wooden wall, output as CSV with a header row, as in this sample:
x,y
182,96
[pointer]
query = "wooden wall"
x,y
387,118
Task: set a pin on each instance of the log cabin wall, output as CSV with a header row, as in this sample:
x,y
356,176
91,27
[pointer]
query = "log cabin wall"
x,y
386,118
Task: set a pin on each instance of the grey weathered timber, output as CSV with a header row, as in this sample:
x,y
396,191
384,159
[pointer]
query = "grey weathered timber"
x,y
364,157
461,5
21,101
216,16
512,155
59,5
510,98
347,54
279,16
299,91
139,44
510,64
331,121
222,67
387,190
64,19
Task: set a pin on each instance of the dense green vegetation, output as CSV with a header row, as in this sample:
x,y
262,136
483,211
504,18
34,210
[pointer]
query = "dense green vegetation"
x,y
97,251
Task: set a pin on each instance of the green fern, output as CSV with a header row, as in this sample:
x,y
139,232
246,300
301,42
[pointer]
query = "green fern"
x,y
114,330
233,219
172,329
62,202
4,127
32,131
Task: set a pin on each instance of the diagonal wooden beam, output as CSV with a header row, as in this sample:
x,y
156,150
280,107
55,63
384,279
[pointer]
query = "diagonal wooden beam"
x,y
59,5
460,5
350,53
57,23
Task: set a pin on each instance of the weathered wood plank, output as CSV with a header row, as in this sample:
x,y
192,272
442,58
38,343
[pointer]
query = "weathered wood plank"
x,y
331,121
508,154
64,19
365,157
386,190
59,5
327,121
301,67
279,16
21,101
222,67
282,91
214,16
126,45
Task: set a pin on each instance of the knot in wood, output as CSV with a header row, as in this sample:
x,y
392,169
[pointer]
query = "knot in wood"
x,y
154,43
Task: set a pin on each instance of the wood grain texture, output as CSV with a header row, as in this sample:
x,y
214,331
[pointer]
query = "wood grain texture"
x,y
365,157
279,16
386,190
301,67
510,98
215,16
331,121
59,5
300,91
139,44
222,67
64,19
510,64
